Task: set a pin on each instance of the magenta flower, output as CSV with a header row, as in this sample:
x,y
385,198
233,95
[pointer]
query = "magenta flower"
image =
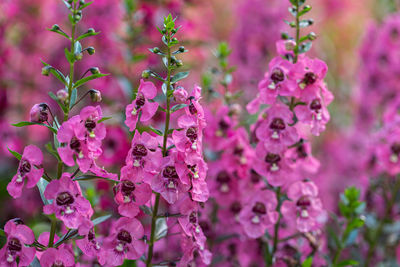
x,y
130,195
304,162
189,139
275,131
57,257
89,244
273,166
75,147
259,214
220,127
305,208
123,242
141,104
18,235
90,129
144,156
388,149
31,157
189,247
168,182
180,95
194,108
68,203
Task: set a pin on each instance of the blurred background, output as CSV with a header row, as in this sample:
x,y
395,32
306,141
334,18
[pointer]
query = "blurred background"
x,y
128,29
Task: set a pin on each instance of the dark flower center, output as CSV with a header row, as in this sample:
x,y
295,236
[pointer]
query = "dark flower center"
x,y
90,125
91,236
124,236
193,217
191,133
58,263
272,158
309,78
192,108
277,124
127,187
170,172
315,104
255,177
235,207
14,245
24,167
303,202
223,177
238,151
277,75
301,151
140,101
75,144
64,198
259,208
395,148
139,151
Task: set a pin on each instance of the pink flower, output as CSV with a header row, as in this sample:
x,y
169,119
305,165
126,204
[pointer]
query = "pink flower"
x,y
31,157
189,247
74,146
18,235
141,104
259,214
57,257
68,203
144,156
194,108
168,182
180,95
189,139
274,166
305,208
275,131
123,242
388,147
130,196
89,244
90,129
304,162
39,113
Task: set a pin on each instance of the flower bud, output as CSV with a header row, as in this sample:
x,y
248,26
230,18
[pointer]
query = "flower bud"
x,y
164,31
46,70
62,95
173,31
39,113
290,45
90,50
78,15
78,56
312,36
179,63
95,95
90,30
146,74
235,109
174,39
156,50
181,49
180,95
55,27
81,2
94,70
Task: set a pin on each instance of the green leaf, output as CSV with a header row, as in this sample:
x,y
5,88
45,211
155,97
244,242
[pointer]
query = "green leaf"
x,y
158,132
161,109
85,5
42,184
88,177
85,35
101,219
69,56
348,263
89,78
305,47
104,119
292,24
161,228
307,262
60,32
146,210
2,233
56,73
15,154
74,95
179,76
27,123
178,107
305,23
51,150
305,10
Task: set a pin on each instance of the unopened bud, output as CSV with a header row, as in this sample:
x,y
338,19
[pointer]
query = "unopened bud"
x,y
236,109
312,36
146,74
39,113
62,95
94,70
78,16
55,27
46,70
181,49
95,95
179,63
173,31
156,50
290,45
91,30
174,39
90,50
81,2
78,56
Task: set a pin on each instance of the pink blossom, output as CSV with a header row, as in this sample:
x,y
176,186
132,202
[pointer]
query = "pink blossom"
x,y
194,108
31,157
68,203
305,208
141,105
39,113
189,138
90,129
89,244
15,249
180,95
57,257
259,214
123,242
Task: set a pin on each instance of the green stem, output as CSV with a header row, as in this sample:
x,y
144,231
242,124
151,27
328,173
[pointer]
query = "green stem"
x,y
296,49
52,232
164,152
276,229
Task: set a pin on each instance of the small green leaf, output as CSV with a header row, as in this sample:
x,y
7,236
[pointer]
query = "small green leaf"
x,y
161,228
88,177
60,32
305,23
69,56
85,5
146,210
178,107
161,109
2,233
158,132
307,262
56,73
101,219
89,78
74,95
292,24
85,35
305,10
42,184
348,263
51,150
104,119
15,154
305,47
27,123
179,76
